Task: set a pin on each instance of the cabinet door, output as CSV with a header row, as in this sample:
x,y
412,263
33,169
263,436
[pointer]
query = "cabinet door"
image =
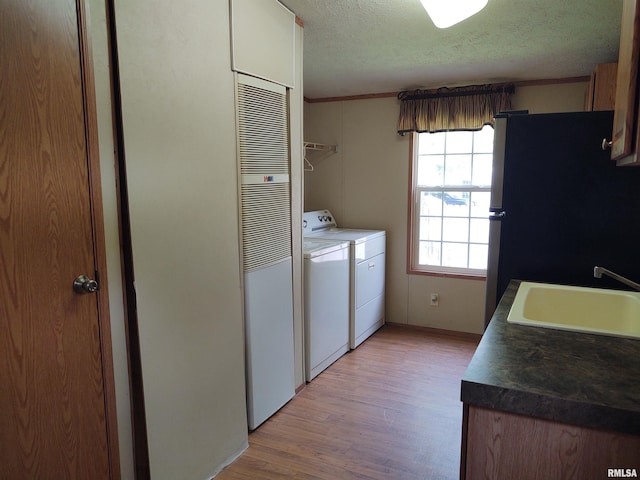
x,y
263,40
624,122
602,87
501,445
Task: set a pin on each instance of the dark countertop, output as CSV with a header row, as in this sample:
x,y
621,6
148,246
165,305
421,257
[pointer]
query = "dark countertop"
x,y
576,378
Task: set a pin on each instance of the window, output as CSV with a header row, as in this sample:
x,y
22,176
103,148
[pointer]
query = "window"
x,y
451,179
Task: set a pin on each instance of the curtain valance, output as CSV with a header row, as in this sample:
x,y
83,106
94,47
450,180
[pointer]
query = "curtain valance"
x,y
462,108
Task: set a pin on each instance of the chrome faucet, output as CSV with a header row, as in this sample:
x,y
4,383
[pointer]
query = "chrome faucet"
x,y
598,271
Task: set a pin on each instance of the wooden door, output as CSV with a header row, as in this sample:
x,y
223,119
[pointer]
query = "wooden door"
x,y
55,418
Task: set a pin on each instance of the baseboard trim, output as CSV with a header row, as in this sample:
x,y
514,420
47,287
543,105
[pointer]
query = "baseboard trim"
x,y
437,331
230,459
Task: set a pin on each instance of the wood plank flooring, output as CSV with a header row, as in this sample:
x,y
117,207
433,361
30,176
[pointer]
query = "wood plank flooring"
x,y
388,410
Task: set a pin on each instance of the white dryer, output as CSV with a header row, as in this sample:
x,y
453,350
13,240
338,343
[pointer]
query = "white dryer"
x,y
366,271
326,304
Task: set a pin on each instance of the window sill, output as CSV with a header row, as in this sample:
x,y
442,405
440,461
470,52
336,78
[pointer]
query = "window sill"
x,y
465,276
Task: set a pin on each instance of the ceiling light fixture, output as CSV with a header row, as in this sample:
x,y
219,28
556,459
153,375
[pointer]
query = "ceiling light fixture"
x,y
445,13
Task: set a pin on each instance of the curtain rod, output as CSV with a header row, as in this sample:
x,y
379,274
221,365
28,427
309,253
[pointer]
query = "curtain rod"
x,y
456,92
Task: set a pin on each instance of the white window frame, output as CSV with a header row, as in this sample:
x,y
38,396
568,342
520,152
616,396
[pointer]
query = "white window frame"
x,y
413,266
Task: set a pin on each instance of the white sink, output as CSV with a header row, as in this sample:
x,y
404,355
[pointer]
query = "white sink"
x,y
580,309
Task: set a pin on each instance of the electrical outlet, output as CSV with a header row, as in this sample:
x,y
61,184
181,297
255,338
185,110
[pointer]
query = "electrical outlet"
x,y
435,299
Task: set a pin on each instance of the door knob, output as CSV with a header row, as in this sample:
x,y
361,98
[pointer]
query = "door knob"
x,y
83,284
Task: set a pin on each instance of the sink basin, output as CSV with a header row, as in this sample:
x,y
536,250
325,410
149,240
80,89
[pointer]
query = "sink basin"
x,y
580,309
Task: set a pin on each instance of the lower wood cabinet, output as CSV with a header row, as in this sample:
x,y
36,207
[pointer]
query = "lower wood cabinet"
x,y
499,445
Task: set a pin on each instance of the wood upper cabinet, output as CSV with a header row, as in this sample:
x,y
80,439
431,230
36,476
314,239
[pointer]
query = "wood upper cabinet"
x,y
624,140
601,94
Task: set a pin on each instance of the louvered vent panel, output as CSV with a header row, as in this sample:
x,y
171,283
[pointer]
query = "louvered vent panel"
x,y
264,169
266,224
263,131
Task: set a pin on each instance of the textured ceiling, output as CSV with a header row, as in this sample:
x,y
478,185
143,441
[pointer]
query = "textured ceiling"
x,y
356,47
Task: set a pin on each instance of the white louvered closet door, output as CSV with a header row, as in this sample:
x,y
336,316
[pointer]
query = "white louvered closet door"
x,y
263,138
264,169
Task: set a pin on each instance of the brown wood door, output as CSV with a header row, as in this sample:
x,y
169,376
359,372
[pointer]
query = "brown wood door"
x,y
53,421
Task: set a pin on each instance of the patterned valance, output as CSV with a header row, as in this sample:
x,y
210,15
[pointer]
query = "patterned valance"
x,y
462,108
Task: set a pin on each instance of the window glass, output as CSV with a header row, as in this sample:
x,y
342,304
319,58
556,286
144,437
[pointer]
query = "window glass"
x,y
430,253
430,204
479,230
455,229
454,204
432,145
457,169
456,142
452,190
483,140
480,204
454,255
482,168
431,170
430,228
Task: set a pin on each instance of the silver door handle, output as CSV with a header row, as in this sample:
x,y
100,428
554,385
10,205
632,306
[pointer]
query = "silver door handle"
x,y
497,216
83,284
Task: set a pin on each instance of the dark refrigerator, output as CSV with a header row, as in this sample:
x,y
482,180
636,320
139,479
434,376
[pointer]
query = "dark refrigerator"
x,y
559,205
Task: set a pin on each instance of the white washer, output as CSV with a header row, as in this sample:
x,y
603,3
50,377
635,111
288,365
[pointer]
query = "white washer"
x,y
366,271
326,304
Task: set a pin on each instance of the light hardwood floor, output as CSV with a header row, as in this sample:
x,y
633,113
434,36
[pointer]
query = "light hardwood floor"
x,y
389,410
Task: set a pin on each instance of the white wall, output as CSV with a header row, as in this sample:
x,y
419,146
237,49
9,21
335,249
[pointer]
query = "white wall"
x,y
179,122
561,97
365,185
297,152
179,133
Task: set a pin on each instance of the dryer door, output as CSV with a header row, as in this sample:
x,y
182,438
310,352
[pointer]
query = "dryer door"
x,y
369,279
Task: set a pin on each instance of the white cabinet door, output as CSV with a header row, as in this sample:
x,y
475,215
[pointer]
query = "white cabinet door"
x,y
263,40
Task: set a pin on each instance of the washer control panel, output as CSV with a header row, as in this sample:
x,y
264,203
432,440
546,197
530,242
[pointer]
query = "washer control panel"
x,y
317,220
